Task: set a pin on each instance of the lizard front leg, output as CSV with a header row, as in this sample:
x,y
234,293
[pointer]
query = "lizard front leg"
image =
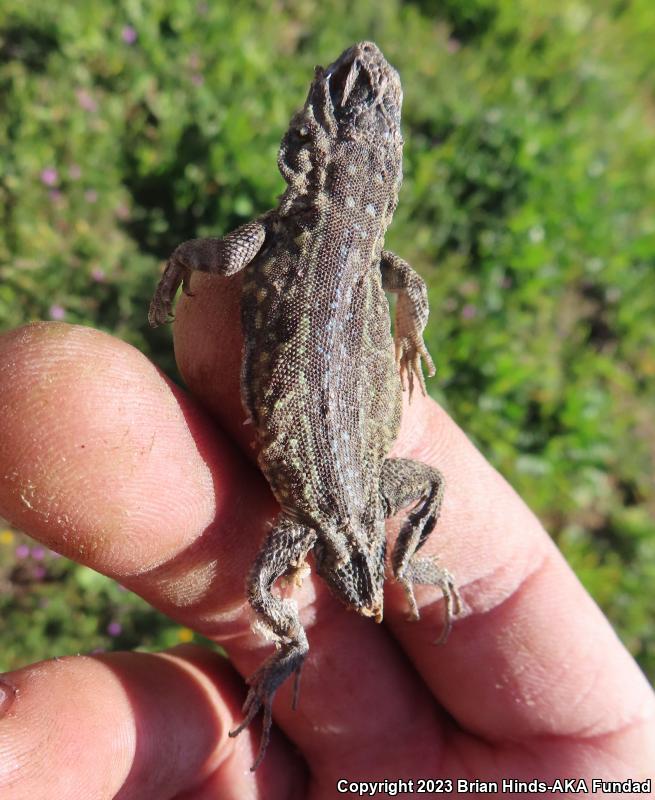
x,y
221,256
283,552
402,483
411,318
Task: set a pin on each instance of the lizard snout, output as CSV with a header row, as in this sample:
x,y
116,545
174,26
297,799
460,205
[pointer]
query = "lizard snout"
x,y
376,611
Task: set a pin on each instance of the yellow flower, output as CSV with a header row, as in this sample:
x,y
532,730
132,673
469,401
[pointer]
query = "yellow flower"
x,y
6,536
185,634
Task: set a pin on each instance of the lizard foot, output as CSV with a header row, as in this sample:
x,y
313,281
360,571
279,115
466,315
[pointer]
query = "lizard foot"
x,y
427,571
263,685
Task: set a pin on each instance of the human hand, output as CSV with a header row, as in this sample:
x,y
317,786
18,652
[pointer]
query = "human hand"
x,y
108,463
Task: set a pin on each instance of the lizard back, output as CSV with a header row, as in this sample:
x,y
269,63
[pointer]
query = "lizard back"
x,y
319,379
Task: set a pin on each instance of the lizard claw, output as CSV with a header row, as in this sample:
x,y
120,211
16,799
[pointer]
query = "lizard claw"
x,y
175,274
426,570
263,685
257,698
409,351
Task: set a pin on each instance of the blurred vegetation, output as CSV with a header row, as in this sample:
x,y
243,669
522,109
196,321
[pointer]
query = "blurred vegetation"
x,y
528,205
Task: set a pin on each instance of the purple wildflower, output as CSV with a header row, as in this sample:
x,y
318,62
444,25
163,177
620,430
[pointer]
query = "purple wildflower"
x,y
197,79
469,287
86,100
39,572
57,312
22,551
98,274
90,195
74,172
128,34
38,553
114,628
469,311
49,176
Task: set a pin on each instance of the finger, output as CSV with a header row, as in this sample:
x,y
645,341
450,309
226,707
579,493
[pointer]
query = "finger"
x,y
532,637
533,655
208,348
144,726
110,464
107,462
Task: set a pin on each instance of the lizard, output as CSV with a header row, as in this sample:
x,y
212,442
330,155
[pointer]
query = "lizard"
x,y
321,379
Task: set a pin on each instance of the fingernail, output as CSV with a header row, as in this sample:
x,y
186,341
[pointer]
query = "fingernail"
x,y
7,696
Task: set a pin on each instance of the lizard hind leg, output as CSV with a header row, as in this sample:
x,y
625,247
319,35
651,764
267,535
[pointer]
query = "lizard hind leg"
x,y
402,483
285,548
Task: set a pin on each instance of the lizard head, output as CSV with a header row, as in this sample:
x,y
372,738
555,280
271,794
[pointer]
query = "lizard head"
x,y
356,577
355,99
365,96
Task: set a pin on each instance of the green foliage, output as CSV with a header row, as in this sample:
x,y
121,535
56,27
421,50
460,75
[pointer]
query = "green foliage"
x,y
528,204
53,607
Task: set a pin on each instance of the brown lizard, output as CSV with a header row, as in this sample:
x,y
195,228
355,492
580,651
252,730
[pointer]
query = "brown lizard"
x,y
320,380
